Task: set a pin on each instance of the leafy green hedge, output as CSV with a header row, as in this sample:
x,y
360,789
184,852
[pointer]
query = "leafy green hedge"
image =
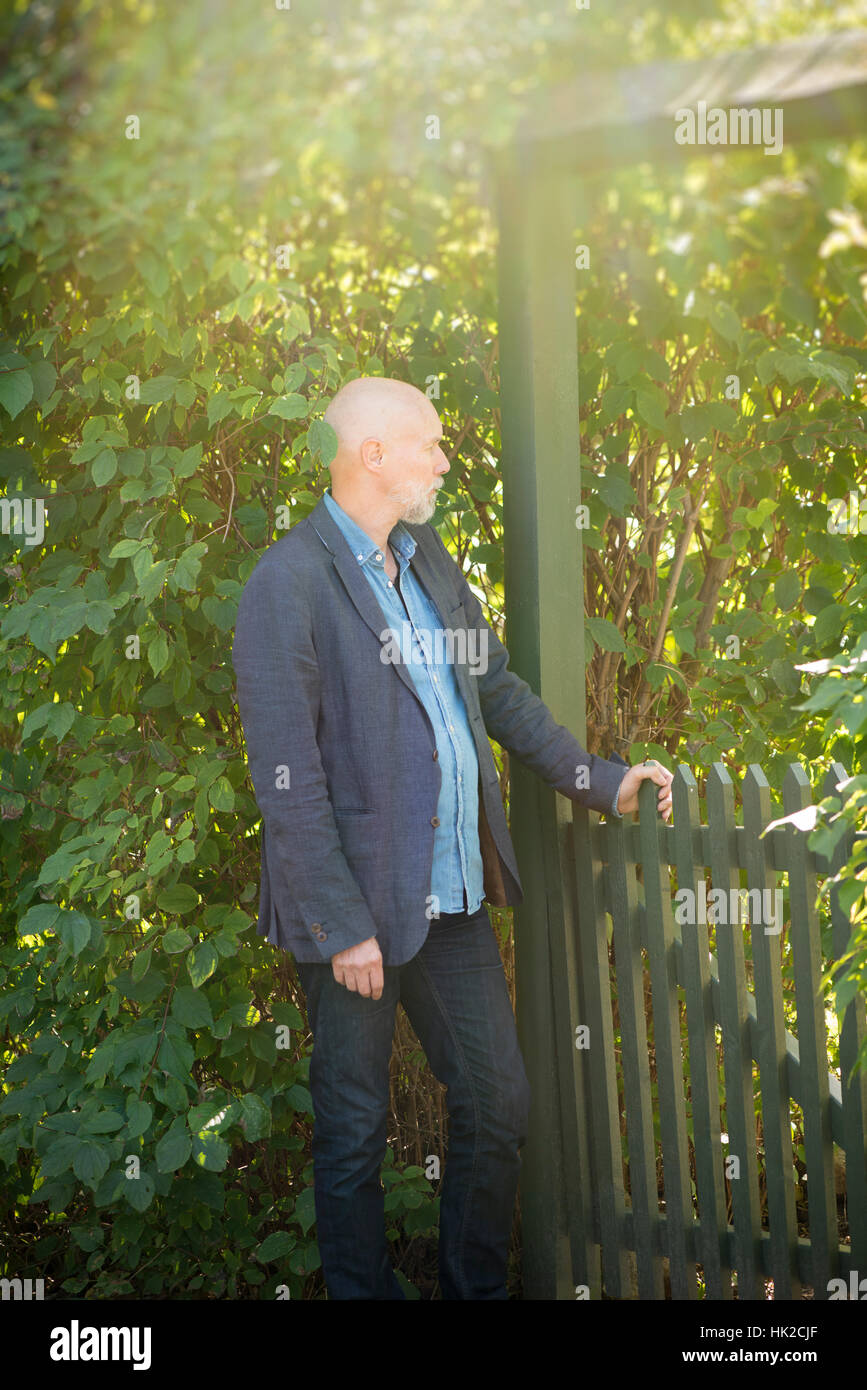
x,y
180,294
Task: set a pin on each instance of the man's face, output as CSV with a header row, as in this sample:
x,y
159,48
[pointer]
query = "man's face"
x,y
419,466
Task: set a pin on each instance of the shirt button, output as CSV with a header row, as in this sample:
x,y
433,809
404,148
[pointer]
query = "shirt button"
x,y
378,556
434,820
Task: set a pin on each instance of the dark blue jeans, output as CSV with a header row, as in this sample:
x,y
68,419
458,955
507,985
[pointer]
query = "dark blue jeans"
x,y
455,995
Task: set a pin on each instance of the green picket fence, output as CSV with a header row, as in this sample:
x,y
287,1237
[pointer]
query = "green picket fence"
x,y
671,1214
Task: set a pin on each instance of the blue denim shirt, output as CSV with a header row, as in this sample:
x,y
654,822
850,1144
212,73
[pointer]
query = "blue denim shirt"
x,y
457,859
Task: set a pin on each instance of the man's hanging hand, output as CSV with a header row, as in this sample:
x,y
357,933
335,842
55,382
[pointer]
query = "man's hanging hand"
x,y
359,968
628,798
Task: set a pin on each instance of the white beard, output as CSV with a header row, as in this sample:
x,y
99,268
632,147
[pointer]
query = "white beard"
x,y
418,506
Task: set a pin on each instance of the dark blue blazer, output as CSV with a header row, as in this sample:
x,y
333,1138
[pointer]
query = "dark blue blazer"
x,y
343,756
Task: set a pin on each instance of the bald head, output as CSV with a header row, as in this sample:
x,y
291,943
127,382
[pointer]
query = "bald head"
x,y
373,407
389,463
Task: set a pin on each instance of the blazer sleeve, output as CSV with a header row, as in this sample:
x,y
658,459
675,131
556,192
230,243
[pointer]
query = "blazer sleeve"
x,y
521,722
278,684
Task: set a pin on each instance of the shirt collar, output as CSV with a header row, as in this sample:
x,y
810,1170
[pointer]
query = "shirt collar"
x,y
362,547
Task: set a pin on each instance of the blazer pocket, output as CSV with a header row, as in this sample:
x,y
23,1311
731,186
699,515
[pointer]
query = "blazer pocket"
x,y
352,811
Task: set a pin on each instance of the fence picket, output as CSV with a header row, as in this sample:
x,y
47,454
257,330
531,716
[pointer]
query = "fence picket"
x,y
704,1089
666,1042
606,1148
812,1040
734,1022
767,973
636,1069
853,1028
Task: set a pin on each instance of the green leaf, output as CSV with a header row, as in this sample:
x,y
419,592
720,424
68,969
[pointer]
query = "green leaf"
x,y
59,1157
650,403
222,795
221,612
174,1149
787,590
291,407
41,918
158,652
605,634
255,1117
218,408
180,898
141,963
44,376
151,582
210,1151
74,930
615,489
305,1209
16,391
614,403
90,1162
201,963
139,1192
188,565
125,548
158,390
139,1117
831,366
188,464
191,1008
176,940
725,320
322,440
103,1122
104,467
276,1246
830,624
757,516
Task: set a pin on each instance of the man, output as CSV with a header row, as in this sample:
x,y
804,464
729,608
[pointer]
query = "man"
x,y
383,831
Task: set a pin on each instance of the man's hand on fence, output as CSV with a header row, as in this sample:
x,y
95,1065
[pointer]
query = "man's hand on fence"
x,y
359,968
628,798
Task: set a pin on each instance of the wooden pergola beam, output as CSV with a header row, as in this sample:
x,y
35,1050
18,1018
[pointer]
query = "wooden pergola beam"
x,y
606,119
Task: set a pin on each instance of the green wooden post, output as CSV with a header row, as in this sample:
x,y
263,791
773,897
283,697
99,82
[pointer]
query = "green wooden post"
x,y
545,636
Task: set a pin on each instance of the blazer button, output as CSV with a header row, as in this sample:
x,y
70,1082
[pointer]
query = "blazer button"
x,y
434,820
436,754
322,936
316,927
